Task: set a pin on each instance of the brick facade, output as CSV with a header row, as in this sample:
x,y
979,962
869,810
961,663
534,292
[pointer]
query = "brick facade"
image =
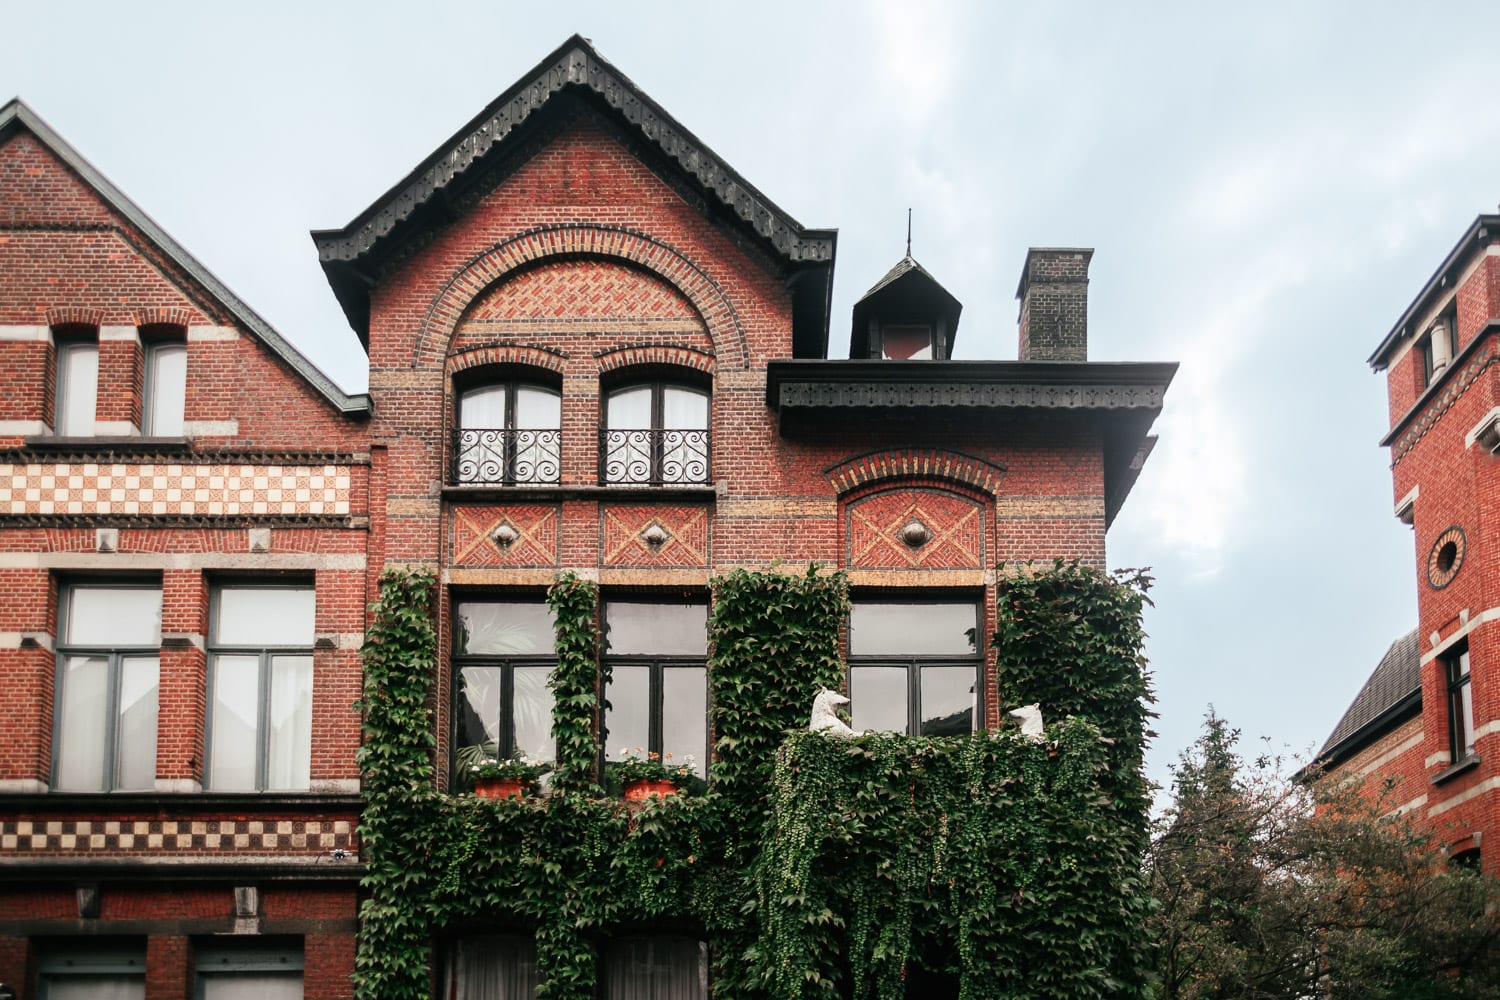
x,y
575,261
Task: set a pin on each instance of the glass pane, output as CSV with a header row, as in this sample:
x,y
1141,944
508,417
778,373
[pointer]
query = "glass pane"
x,y
656,968
538,408
166,387
113,616
684,716
494,968
502,628
629,409
77,389
82,724
1463,664
1466,719
135,737
877,699
264,616
683,408
233,726
533,721
290,751
628,720
930,629
252,986
900,343
483,407
479,709
947,701
656,629
88,987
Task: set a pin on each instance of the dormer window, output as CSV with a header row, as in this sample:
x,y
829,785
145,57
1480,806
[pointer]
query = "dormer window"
x,y
907,316
906,342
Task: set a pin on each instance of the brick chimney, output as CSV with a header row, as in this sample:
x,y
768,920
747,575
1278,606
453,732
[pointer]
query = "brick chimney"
x,y
1054,294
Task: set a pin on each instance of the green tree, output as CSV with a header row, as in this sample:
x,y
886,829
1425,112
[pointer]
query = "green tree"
x,y
1269,887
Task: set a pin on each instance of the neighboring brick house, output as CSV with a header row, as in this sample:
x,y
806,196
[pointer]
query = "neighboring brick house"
x,y
593,347
1430,713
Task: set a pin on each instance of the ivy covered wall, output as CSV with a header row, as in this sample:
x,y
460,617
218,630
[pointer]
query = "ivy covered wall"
x,y
812,866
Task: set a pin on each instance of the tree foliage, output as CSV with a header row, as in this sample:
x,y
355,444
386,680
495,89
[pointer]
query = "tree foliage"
x,y
1274,888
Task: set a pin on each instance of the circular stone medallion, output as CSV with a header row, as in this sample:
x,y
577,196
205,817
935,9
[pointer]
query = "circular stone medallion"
x,y
1446,558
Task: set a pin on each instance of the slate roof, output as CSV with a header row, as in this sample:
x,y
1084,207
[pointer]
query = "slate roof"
x,y
912,282
16,115
1391,695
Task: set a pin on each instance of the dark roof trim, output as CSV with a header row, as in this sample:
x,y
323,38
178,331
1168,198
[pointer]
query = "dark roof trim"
x,y
1408,707
16,115
1481,232
573,64
1391,695
1441,385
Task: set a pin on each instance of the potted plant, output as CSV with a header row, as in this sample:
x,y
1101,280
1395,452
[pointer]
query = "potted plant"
x,y
503,779
647,775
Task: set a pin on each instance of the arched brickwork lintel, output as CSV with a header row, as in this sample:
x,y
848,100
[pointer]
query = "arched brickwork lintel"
x,y
503,260
74,316
532,357
656,354
165,317
879,470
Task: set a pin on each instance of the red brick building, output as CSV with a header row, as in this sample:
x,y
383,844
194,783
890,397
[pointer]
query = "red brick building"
x,y
1430,712
593,347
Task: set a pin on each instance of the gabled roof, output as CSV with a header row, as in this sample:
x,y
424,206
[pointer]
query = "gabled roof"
x,y
16,116
351,255
907,288
1481,232
1391,695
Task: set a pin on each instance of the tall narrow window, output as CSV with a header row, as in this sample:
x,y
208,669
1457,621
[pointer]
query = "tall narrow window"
x,y
656,434
914,666
102,974
1460,704
248,972
108,670
166,389
658,688
77,393
504,653
260,688
656,967
509,434
493,967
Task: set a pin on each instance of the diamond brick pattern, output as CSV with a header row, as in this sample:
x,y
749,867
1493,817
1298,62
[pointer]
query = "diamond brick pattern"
x,y
174,489
577,289
172,836
955,531
626,530
536,535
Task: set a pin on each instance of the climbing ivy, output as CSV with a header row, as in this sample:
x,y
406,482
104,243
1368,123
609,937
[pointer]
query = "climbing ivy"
x,y
813,866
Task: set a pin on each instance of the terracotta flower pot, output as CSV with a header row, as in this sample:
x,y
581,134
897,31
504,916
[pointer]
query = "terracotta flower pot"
x,y
639,791
499,788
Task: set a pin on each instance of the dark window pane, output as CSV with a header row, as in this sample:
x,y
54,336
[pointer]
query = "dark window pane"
x,y
684,716
479,709
656,629
629,717
500,628
656,968
533,721
947,701
877,698
885,628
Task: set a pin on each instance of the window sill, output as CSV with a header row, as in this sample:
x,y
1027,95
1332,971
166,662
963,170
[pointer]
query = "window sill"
x,y
1454,770
112,442
170,802
694,491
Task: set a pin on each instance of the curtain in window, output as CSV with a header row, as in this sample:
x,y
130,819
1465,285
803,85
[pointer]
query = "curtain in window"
x,y
135,740
232,749
96,988
493,968
290,760
656,968
253,986
85,697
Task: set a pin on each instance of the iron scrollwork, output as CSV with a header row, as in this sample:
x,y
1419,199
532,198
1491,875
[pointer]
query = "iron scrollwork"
x,y
500,457
654,457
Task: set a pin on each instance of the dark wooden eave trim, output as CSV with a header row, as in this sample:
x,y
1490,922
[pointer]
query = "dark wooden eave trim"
x,y
16,115
1481,232
1407,708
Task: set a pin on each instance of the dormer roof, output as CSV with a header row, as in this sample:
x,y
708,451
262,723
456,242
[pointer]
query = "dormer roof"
x,y
352,256
16,116
907,294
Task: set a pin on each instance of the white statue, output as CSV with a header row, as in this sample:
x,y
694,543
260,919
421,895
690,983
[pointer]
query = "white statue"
x,y
1030,719
825,719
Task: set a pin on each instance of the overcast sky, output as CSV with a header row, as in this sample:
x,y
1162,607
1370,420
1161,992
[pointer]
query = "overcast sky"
x,y
1267,189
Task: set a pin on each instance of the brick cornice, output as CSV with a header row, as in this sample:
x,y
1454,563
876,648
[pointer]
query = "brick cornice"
x,y
1472,362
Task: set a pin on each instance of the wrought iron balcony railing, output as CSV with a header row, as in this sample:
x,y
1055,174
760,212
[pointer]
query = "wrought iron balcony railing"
x,y
653,457
498,457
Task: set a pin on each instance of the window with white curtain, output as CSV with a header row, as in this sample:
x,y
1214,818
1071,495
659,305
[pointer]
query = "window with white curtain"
x,y
492,967
166,389
260,681
656,967
655,434
103,974
248,972
108,669
76,393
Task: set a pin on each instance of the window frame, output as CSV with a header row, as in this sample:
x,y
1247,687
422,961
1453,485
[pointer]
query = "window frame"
x,y
1457,679
916,663
68,343
449,983
610,953
656,447
250,958
506,664
264,655
115,655
657,664
115,962
508,435
153,349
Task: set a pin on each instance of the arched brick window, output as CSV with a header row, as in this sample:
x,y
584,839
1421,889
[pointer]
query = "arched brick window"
x,y
509,429
656,433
